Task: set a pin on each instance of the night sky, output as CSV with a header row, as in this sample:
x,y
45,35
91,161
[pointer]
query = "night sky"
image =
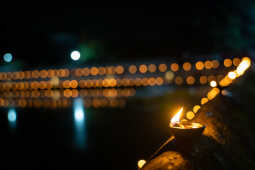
x,y
48,36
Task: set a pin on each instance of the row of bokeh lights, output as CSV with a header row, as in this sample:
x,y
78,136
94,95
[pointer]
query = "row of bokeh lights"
x,y
224,82
118,70
169,77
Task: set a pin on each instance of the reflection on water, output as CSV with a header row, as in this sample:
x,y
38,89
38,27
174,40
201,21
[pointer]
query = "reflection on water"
x,y
12,117
79,123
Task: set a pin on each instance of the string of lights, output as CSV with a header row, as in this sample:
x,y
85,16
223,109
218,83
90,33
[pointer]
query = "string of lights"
x,y
132,69
227,80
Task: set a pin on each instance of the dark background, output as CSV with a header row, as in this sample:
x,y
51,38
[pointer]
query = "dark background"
x,y
47,36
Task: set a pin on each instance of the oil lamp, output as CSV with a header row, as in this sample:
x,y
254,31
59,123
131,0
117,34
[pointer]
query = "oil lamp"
x,y
184,129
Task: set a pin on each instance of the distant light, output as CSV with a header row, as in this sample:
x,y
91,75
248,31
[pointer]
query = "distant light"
x,y
213,84
8,57
12,116
75,55
169,75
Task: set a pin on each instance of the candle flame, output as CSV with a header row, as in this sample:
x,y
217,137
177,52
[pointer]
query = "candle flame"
x,y
177,116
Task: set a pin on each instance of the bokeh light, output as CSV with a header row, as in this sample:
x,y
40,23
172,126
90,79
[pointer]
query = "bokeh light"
x,y
190,115
8,57
199,65
187,66
213,83
227,62
141,163
232,75
75,55
174,67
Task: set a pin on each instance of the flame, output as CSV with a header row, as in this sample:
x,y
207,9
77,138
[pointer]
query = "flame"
x,y
177,116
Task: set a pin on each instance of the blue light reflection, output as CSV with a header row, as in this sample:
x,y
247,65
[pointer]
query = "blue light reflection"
x,y
79,123
12,117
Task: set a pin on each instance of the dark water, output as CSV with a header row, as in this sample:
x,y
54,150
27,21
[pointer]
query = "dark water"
x,y
88,138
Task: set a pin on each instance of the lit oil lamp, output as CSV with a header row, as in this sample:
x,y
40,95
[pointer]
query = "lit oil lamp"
x,y
185,129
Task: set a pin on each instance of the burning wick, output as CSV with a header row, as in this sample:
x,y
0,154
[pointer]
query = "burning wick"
x,y
175,121
180,130
184,129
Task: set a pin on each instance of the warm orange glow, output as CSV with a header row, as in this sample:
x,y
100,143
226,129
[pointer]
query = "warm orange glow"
x,y
213,93
204,101
190,80
208,64
141,163
162,67
119,69
110,70
225,81
196,108
152,68
132,69
203,79
186,66
94,71
190,115
232,75
176,118
85,71
174,67
199,65
143,68
213,83
227,62
236,61
101,70
215,63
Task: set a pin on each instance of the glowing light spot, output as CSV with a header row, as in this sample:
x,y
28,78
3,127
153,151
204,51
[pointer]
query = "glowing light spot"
x,y
232,75
132,69
208,65
75,55
186,66
190,80
215,63
203,79
152,68
141,163
12,116
162,67
227,62
196,108
204,101
54,81
243,66
236,61
190,115
199,65
213,83
174,67
213,93
169,76
8,57
143,68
